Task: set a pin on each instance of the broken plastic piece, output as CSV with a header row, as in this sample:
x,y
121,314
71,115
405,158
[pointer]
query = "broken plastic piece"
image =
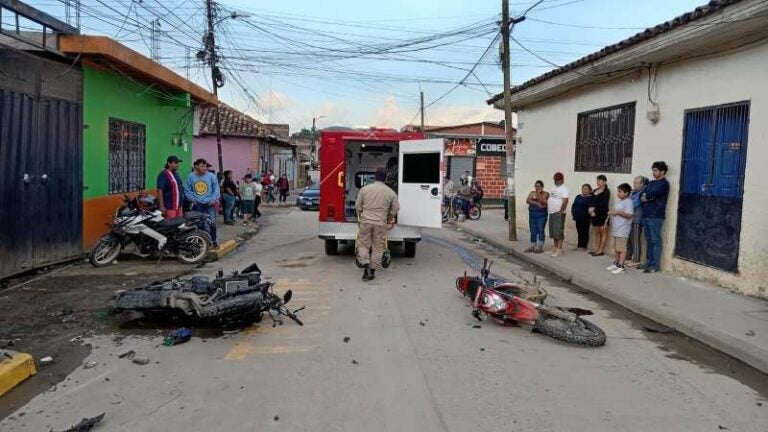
x,y
129,354
86,424
141,360
45,361
178,337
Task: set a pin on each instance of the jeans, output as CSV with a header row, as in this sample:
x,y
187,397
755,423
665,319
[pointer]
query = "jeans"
x,y
270,194
210,227
653,239
582,229
284,195
229,207
536,223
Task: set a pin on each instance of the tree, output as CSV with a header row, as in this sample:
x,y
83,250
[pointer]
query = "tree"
x,y
303,134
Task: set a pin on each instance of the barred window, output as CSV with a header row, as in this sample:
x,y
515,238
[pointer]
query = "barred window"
x,y
604,139
126,156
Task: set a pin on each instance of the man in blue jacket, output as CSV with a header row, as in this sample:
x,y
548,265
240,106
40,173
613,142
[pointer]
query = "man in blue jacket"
x,y
202,191
654,204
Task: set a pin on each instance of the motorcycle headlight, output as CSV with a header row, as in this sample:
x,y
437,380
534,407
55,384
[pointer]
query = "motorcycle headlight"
x,y
494,303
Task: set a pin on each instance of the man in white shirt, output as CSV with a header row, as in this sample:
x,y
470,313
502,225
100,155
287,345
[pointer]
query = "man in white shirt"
x,y
556,206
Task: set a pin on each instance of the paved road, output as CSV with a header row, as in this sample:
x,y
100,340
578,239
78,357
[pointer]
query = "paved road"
x,y
413,361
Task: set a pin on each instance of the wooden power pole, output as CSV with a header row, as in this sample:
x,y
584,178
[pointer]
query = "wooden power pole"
x,y
216,77
505,29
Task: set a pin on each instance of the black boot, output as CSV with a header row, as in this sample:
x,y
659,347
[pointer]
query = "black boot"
x,y
373,273
367,273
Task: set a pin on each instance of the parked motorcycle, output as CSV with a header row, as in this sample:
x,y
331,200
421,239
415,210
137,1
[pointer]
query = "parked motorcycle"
x,y
510,304
452,208
242,295
139,221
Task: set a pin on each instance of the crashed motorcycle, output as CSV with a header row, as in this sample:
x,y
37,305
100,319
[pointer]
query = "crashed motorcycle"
x,y
511,304
139,221
241,295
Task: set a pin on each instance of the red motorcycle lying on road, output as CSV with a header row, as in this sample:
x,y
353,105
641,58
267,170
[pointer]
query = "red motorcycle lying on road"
x,y
510,304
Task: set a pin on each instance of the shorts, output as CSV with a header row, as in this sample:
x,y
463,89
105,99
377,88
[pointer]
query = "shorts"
x,y
599,219
247,206
557,226
620,244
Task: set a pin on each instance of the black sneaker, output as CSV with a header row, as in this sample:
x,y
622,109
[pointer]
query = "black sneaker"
x,y
650,270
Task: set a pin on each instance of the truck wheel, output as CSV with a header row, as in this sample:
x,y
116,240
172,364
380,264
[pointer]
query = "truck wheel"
x,y
410,249
331,247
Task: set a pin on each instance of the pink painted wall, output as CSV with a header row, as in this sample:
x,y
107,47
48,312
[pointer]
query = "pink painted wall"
x,y
237,153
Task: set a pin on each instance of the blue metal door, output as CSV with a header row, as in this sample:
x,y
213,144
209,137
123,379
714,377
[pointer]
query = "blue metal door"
x,y
712,184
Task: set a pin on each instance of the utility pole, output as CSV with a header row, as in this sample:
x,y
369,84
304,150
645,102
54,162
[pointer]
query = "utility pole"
x,y
313,149
422,112
217,79
511,204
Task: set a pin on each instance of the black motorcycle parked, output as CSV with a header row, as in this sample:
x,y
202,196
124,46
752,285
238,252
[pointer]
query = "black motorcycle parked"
x,y
139,221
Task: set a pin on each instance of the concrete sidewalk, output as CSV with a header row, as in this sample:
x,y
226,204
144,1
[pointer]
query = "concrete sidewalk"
x,y
731,323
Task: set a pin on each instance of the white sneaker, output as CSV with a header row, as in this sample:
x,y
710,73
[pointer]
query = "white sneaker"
x,y
619,270
612,267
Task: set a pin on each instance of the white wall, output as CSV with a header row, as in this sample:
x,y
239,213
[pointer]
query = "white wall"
x,y
548,132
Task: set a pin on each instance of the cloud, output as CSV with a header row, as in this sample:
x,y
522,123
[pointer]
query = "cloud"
x,y
389,114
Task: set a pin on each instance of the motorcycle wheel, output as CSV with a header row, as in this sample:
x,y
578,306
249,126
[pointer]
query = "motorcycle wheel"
x,y
105,250
193,247
580,332
474,213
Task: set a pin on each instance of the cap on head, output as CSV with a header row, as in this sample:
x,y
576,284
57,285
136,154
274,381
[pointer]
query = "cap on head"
x,y
558,176
173,159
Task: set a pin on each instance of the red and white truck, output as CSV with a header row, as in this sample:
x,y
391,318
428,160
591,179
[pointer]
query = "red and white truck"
x,y
348,161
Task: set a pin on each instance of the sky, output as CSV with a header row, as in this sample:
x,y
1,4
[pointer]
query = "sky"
x,y
364,63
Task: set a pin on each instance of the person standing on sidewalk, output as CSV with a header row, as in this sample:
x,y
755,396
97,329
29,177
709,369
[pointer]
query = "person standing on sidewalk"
x,y
654,202
284,186
601,198
621,224
634,250
377,207
580,213
170,198
537,216
248,193
556,206
229,196
202,191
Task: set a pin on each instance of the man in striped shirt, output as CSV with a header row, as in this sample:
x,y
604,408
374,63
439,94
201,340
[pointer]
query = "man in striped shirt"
x,y
169,186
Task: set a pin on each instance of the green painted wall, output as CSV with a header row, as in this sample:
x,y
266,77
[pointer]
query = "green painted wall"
x,y
110,94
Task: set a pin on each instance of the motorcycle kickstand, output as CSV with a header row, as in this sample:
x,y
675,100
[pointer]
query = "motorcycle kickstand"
x,y
274,321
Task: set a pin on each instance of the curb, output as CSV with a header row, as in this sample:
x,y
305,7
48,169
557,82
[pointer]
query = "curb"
x,y
14,370
224,249
750,354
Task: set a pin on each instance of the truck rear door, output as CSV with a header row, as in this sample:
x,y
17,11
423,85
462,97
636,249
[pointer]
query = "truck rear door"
x,y
419,190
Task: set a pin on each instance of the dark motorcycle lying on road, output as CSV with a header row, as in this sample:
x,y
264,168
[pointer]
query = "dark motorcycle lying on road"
x,y
241,295
139,221
511,304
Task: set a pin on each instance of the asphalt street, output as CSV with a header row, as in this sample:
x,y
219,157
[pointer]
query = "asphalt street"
x,y
401,353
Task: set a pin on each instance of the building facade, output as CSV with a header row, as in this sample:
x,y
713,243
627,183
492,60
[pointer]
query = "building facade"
x,y
135,114
687,93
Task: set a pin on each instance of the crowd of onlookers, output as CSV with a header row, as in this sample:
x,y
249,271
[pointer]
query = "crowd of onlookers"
x,y
205,192
637,209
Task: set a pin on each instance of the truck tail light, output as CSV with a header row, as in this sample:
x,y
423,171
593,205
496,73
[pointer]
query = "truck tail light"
x,y
331,212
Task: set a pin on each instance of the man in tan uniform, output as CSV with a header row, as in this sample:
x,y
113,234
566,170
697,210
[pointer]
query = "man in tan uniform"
x,y
377,207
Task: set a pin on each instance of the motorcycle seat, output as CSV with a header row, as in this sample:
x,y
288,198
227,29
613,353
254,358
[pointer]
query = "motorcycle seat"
x,y
194,215
171,223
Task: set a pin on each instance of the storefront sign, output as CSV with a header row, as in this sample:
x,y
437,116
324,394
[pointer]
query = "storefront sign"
x,y
491,147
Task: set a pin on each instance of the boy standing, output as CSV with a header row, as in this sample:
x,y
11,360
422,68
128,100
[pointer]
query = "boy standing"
x,y
621,224
248,192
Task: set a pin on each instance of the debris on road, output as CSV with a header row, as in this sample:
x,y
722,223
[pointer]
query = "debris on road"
x,y
277,418
422,323
90,365
660,330
129,354
141,360
346,339
354,362
750,333
76,338
45,361
86,424
177,337
477,326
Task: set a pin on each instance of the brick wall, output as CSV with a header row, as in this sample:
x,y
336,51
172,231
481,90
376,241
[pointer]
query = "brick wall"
x,y
488,172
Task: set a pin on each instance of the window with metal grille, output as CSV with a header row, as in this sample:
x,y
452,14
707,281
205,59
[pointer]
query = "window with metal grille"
x,y
604,139
126,156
